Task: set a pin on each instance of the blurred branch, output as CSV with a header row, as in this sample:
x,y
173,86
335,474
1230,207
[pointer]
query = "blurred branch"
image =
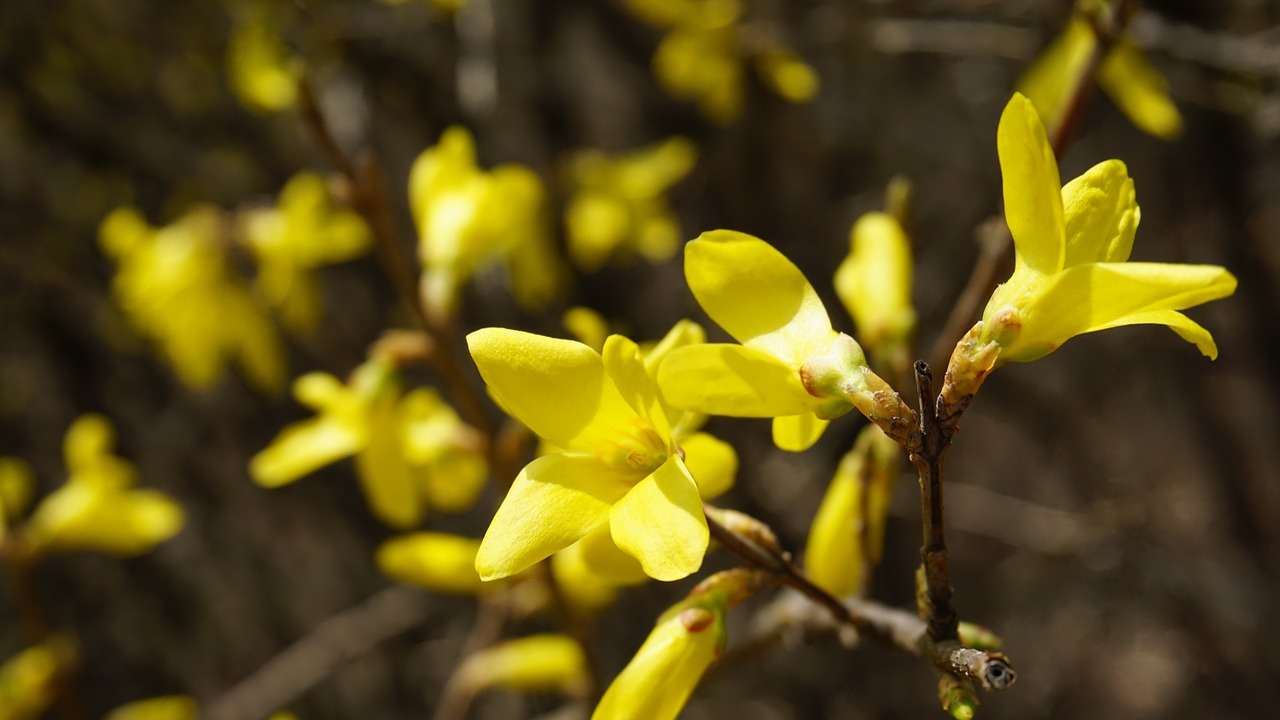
x,y
1248,55
304,664
952,37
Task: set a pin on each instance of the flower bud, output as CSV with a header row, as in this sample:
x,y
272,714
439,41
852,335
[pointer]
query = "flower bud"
x,y
435,561
538,663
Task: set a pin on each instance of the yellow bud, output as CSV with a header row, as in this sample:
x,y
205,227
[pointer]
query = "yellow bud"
x,y
17,484
435,561
658,681
834,557
538,663
874,281
28,680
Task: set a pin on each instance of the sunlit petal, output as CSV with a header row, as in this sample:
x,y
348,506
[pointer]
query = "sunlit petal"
x,y
1032,193
660,522
732,380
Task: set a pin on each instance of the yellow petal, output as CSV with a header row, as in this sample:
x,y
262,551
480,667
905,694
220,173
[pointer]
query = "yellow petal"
x,y
80,516
783,72
712,462
660,523
833,556
587,326
169,707
684,332
390,487
756,294
554,502
122,232
797,433
602,556
538,663
1140,91
665,670
1032,189
649,171
622,363
558,388
88,439
874,281
319,390
732,380
582,586
435,561
1054,74
1185,327
304,447
1097,296
17,486
1101,213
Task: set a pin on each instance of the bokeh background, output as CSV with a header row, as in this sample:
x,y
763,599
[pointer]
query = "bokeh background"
x,y
1112,508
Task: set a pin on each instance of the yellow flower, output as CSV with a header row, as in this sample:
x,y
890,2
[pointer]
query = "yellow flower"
x,y
29,680
410,451
874,283
621,467
791,366
435,561
1071,276
304,232
619,204
684,642
168,707
177,289
702,56
853,510
98,507
537,663
262,72
469,219
1137,88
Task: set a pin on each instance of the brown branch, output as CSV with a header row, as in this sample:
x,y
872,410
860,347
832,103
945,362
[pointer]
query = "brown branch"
x,y
304,664
936,607
897,628
456,699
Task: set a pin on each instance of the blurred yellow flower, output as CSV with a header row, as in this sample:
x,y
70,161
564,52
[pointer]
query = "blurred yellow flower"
x,y
1071,244
262,72
537,663
619,205
469,219
702,57
586,326
411,451
621,468
176,287
29,680
98,508
168,707
847,533
1136,87
874,283
434,561
302,232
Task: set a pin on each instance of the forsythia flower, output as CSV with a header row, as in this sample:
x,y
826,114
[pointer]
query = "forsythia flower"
x,y
684,642
1071,276
874,283
29,680
701,57
1137,88
621,468
262,72
435,561
791,365
847,534
176,287
98,508
411,452
620,204
469,219
168,707
304,232
538,663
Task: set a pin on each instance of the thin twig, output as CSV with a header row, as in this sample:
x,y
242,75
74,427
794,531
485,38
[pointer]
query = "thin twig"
x,y
937,608
881,623
456,698
304,664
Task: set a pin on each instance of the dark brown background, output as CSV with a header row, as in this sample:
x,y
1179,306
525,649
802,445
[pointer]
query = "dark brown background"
x,y
1113,506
